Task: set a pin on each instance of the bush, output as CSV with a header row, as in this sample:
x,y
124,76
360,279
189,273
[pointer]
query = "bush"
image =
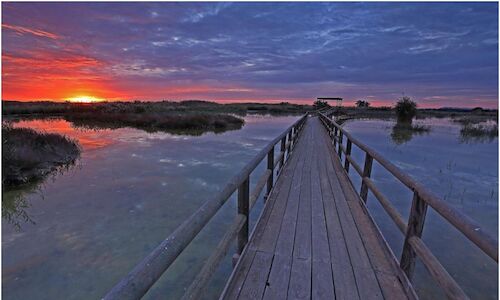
x,y
406,109
362,103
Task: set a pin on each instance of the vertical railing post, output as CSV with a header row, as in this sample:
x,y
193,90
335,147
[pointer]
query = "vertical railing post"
x,y
347,154
288,148
282,150
341,136
367,172
415,227
335,130
270,167
243,208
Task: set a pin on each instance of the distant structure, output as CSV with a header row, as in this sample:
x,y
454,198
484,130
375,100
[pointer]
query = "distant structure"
x,y
338,101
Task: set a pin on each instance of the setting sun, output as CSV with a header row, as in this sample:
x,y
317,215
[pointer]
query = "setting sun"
x,y
85,99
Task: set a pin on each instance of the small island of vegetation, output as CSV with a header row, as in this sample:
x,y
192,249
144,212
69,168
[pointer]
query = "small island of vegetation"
x,y
29,155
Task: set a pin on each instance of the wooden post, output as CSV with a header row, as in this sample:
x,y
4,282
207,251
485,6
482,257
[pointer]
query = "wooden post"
x,y
270,166
282,150
367,172
341,136
347,153
335,129
415,227
289,138
243,208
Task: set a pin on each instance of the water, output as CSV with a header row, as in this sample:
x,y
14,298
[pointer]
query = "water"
x,y
88,226
463,172
83,230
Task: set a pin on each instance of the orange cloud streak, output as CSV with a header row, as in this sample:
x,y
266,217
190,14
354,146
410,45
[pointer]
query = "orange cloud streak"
x,y
23,30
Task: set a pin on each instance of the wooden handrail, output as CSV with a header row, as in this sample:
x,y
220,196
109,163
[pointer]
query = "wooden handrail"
x,y
422,198
150,269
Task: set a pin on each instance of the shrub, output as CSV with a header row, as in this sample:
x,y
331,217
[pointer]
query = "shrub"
x,y
406,109
362,103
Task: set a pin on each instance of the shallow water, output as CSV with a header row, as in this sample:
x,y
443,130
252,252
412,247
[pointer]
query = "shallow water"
x,y
91,224
463,172
131,189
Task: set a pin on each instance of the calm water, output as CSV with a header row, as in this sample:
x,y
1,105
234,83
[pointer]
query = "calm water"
x,y
463,172
84,229
90,225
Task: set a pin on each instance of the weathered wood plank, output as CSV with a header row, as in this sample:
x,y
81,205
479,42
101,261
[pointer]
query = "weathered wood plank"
x,y
391,279
279,277
255,281
300,279
236,283
322,277
366,280
343,275
266,237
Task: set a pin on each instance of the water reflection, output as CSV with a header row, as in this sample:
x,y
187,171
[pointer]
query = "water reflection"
x,y
404,132
15,205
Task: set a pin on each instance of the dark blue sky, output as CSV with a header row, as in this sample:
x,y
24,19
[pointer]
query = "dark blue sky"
x,y
442,54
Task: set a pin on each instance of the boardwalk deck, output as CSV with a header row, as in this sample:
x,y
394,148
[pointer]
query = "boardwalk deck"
x,y
315,239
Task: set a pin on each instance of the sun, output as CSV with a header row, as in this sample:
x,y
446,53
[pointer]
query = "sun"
x,y
85,99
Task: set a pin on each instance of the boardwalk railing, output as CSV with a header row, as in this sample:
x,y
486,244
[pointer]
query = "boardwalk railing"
x,y
422,199
146,273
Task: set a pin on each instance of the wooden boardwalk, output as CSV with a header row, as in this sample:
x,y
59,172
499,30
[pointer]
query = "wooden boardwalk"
x,y
315,238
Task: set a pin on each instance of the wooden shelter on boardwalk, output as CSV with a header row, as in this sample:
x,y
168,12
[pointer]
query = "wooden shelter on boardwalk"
x,y
338,100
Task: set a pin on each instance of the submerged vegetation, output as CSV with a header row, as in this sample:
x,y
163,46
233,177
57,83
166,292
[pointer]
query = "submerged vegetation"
x,y
29,155
478,132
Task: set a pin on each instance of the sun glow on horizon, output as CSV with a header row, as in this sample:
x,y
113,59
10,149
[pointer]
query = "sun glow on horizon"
x,y
85,99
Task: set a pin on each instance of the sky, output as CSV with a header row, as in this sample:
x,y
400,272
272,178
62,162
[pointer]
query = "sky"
x,y
440,54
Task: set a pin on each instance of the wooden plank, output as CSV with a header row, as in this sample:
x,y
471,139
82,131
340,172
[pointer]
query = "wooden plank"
x,y
236,283
266,239
286,237
343,275
255,281
391,279
302,242
366,280
300,279
279,277
322,277
300,276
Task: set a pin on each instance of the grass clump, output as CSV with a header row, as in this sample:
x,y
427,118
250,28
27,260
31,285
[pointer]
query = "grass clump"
x,y
29,155
471,132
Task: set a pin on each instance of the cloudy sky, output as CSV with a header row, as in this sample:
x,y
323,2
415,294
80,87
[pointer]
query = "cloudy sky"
x,y
442,54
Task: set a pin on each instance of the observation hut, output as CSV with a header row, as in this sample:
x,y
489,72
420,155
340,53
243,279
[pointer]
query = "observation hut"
x,y
338,100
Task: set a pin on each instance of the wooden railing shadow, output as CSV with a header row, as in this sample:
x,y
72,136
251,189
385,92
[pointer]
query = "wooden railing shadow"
x,y
422,199
149,270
